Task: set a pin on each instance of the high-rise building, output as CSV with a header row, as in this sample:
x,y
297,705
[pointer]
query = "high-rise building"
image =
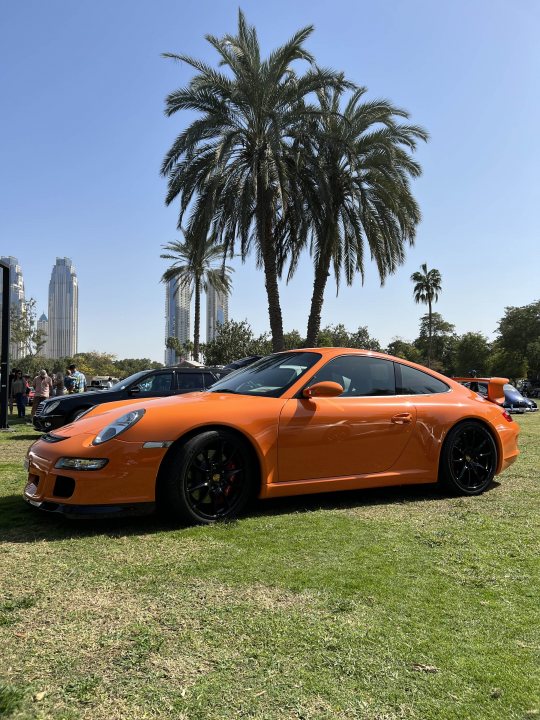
x,y
43,327
177,310
217,311
16,299
63,310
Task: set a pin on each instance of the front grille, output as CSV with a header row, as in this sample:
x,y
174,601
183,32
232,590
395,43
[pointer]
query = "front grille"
x,y
39,408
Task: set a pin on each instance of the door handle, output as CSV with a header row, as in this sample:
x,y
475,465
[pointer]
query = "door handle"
x,y
402,418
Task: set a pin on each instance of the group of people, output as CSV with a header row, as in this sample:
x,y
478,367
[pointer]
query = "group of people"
x,y
45,386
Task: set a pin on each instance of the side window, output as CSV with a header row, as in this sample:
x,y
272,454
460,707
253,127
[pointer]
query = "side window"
x,y
359,375
156,383
208,380
190,381
415,382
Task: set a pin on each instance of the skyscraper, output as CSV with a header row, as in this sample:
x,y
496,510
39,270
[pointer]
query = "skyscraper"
x,y
43,327
217,311
63,310
16,295
177,310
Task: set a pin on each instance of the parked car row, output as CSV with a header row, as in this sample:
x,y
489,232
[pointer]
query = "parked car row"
x,y
58,411
514,401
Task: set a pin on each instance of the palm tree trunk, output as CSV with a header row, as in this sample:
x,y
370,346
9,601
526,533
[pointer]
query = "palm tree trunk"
x,y
264,223
430,332
319,285
197,328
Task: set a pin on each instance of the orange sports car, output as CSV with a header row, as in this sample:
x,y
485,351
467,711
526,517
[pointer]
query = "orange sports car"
x,y
303,421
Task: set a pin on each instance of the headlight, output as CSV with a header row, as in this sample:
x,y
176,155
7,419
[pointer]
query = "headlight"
x,y
118,426
50,407
69,463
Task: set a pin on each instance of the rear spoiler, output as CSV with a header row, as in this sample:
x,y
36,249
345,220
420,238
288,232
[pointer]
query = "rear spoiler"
x,y
495,386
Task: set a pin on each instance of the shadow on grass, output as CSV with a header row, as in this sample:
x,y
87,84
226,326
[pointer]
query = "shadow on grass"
x,y
23,524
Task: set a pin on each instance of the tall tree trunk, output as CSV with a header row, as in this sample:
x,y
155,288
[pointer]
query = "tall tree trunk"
x,y
266,239
197,328
319,285
430,333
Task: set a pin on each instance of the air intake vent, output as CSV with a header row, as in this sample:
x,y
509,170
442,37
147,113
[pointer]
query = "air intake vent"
x,y
64,486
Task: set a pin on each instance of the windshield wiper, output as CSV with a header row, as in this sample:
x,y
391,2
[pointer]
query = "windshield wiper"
x,y
225,390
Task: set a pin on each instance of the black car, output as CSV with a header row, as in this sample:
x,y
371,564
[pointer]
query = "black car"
x,y
58,411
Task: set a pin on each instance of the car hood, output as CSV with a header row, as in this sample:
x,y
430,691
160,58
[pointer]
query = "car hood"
x,y
167,415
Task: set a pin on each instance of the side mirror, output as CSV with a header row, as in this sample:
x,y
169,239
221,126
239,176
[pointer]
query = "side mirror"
x,y
134,390
323,389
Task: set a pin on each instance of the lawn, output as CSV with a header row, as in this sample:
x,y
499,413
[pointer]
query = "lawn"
x,y
402,604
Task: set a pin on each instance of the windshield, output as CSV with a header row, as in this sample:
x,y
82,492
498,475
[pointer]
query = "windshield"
x,y
122,385
268,377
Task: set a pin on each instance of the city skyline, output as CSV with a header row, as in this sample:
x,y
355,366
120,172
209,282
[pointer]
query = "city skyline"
x,y
63,315
177,316
217,311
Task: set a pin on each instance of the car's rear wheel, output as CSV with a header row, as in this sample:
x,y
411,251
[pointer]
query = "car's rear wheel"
x,y
468,459
207,479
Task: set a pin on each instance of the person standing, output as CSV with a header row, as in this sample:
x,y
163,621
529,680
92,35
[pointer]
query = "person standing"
x,y
42,389
11,377
59,384
18,389
79,379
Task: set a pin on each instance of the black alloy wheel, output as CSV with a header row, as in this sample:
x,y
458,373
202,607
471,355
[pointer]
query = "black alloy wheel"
x,y
208,479
469,459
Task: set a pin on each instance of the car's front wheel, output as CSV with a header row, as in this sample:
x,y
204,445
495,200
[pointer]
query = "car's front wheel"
x,y
208,478
468,459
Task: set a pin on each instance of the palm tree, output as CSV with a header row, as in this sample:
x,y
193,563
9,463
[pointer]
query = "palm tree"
x,y
426,290
356,188
231,162
197,265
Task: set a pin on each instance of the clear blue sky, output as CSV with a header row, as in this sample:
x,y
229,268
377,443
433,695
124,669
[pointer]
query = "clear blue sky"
x,y
83,135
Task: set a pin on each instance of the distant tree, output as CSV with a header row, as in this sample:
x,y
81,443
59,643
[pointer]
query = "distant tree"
x,y
197,266
339,336
519,327
472,353
25,335
519,338
402,349
292,340
173,343
333,336
362,339
235,340
427,286
442,342
507,363
129,366
533,360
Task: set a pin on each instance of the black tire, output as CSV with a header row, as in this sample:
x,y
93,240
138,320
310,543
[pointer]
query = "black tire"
x,y
209,478
77,414
468,459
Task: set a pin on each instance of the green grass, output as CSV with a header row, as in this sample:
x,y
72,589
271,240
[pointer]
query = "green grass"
x,y
378,605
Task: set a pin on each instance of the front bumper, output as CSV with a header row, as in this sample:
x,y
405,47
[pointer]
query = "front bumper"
x,y
126,485
83,512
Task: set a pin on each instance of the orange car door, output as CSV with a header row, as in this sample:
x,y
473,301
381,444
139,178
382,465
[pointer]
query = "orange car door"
x,y
364,430
343,436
